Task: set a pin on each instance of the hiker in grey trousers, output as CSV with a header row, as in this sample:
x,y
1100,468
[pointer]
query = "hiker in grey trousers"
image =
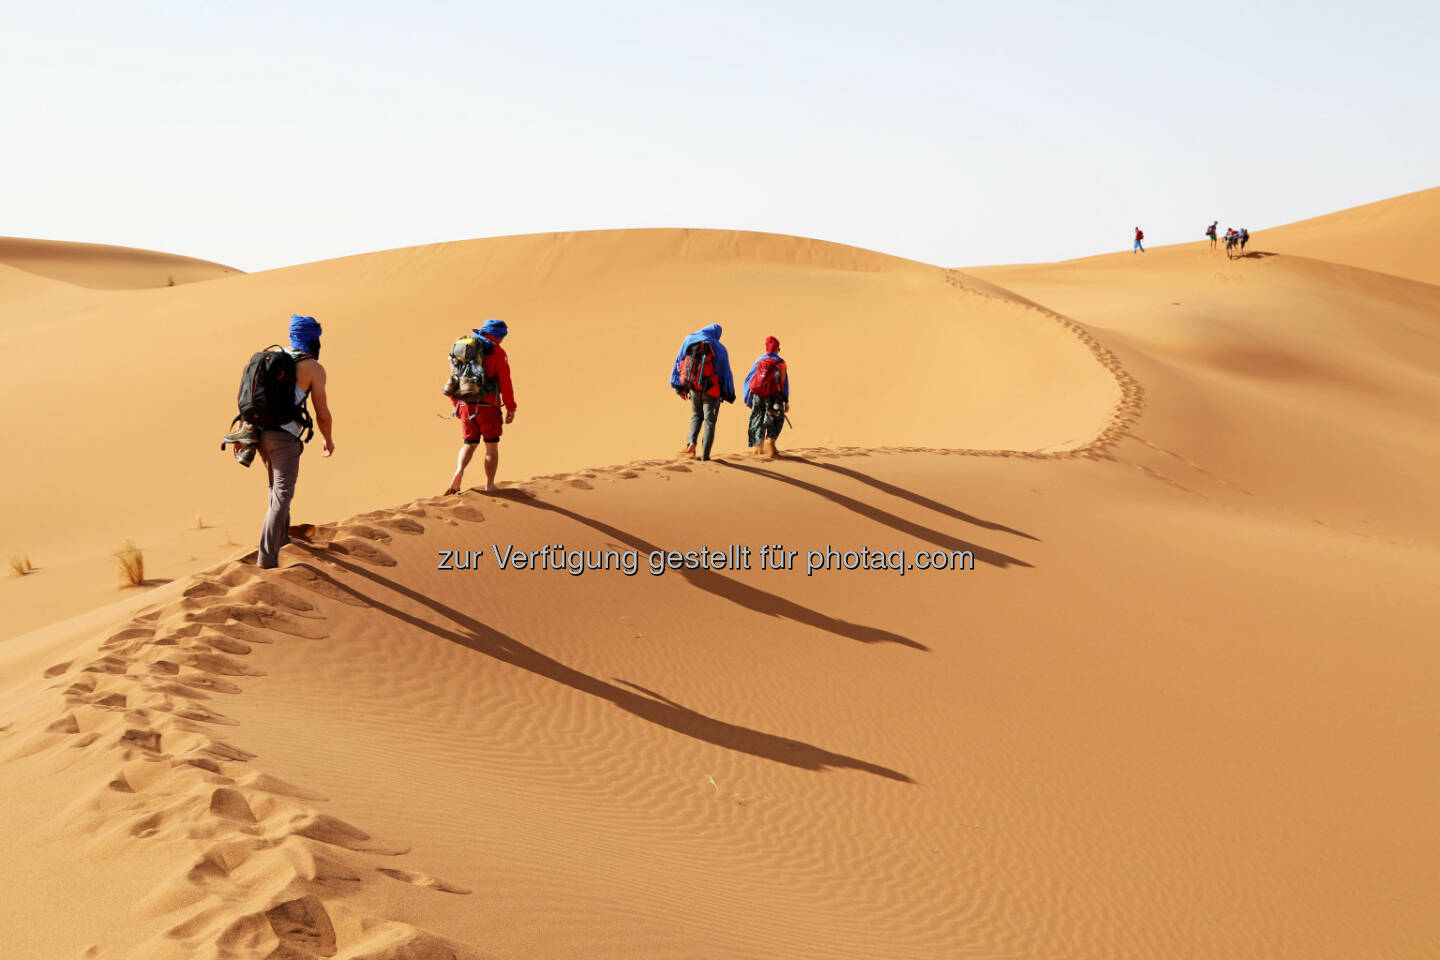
x,y
280,449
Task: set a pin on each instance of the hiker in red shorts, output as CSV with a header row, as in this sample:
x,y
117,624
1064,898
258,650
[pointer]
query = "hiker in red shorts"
x,y
480,418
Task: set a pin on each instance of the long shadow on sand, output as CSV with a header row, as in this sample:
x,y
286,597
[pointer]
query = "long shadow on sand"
x,y
983,554
474,635
915,498
733,590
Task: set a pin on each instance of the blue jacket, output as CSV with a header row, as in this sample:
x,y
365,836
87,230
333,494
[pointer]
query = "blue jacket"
x,y
722,361
751,375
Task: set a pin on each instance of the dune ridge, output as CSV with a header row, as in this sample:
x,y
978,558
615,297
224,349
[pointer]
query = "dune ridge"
x,y
103,267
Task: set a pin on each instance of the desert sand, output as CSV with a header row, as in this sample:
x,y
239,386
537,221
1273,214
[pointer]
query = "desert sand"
x,y
1182,706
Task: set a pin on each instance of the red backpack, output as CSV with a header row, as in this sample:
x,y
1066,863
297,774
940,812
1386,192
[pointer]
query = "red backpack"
x,y
769,378
697,370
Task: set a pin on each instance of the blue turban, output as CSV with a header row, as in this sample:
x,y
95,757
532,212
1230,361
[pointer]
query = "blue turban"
x,y
304,333
494,329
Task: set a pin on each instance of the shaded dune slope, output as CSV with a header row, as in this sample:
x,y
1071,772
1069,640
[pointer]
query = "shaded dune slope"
x,y
106,267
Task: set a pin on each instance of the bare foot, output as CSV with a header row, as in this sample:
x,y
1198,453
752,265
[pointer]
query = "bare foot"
x,y
492,487
455,483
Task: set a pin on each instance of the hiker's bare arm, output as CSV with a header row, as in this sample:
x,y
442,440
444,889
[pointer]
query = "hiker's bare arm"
x,y
316,375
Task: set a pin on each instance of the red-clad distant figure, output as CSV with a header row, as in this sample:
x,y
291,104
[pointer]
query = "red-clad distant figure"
x,y
1139,235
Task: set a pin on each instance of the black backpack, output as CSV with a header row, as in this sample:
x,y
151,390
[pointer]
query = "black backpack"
x,y
267,392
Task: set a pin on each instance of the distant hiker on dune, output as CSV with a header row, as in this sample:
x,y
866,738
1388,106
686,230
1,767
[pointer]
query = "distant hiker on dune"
x,y
1210,232
1244,238
1232,239
1139,235
767,394
479,382
273,392
702,375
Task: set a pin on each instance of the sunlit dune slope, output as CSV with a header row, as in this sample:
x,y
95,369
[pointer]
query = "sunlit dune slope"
x,y
122,436
1396,236
106,267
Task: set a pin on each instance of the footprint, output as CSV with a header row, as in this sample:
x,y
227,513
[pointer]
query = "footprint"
x,y
403,525
214,684
148,827
271,595
223,665
131,633
147,740
365,531
303,927
231,804
338,833
66,724
204,715
422,880
225,751
304,575
205,588
58,669
363,551
269,784
224,644
115,665
467,513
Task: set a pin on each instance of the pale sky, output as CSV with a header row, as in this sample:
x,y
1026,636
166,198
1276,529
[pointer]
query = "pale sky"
x,y
263,134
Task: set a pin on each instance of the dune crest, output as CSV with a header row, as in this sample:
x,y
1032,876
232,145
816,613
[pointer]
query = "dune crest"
x,y
104,267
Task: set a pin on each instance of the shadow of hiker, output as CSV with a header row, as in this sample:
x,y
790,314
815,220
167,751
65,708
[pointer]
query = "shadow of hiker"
x,y
1255,255
733,590
983,554
909,495
474,635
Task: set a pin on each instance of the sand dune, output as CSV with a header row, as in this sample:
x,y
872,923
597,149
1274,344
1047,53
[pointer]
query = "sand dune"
x,y
596,319
1393,236
106,267
1181,707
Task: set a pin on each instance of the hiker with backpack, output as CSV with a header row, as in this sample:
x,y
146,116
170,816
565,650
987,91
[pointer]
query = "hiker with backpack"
x,y
701,374
275,423
479,383
1210,232
1139,235
1244,238
767,394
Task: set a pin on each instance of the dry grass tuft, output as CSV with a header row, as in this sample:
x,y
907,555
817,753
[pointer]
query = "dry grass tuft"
x,y
132,563
20,565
